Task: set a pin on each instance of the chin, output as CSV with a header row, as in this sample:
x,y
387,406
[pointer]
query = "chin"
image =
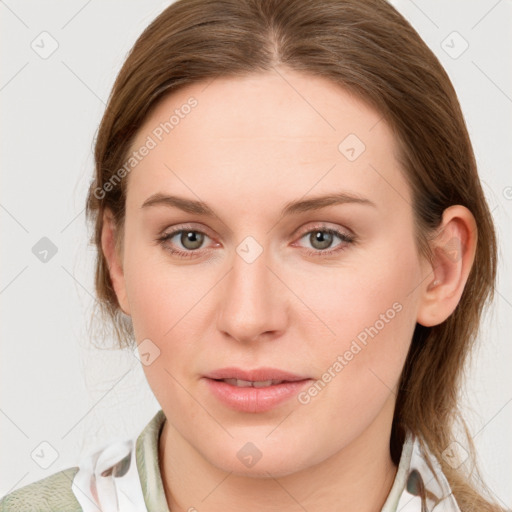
x,y
261,459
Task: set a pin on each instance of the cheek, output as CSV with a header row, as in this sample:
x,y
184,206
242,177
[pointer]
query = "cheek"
x,y
366,290
169,305
159,293
374,322
165,302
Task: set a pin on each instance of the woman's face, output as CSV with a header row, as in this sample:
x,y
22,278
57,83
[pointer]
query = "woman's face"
x,y
259,282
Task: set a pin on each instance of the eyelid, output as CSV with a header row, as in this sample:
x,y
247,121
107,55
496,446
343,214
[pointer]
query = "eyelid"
x,y
321,226
300,232
190,226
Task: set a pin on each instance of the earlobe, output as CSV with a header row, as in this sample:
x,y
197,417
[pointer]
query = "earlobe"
x,y
114,260
453,252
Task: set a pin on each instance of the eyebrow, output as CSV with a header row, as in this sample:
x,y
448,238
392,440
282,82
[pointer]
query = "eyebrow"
x,y
291,208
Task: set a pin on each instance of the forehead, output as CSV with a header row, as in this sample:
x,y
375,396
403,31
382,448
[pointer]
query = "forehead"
x,y
279,131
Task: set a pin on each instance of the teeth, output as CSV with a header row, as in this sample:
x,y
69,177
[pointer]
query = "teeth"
x,y
249,383
262,383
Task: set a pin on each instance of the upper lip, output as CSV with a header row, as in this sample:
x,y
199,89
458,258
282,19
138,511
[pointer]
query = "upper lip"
x,y
254,375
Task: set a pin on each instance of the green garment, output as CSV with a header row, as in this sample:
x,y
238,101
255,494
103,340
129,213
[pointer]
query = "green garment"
x,y
54,494
416,487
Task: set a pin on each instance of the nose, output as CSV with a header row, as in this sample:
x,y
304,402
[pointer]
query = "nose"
x,y
253,302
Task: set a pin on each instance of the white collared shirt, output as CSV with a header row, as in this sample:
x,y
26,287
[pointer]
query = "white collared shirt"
x,y
124,476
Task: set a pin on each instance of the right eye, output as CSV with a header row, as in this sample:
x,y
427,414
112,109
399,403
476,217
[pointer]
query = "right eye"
x,y
188,242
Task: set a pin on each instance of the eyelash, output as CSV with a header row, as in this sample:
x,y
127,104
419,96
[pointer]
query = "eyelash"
x,y
344,237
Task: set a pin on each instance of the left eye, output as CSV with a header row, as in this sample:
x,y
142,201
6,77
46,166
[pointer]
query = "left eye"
x,y
321,239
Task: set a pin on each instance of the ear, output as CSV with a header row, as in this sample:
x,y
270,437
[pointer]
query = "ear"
x,y
113,257
453,250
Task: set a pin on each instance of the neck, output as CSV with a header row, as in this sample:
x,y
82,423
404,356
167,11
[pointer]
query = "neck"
x,y
358,477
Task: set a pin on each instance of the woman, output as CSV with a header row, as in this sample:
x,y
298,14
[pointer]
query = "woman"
x,y
282,230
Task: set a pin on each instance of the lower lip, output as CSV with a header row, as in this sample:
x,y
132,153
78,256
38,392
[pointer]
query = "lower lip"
x,y
251,399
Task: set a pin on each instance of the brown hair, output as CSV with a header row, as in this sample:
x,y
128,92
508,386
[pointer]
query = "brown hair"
x,y
369,49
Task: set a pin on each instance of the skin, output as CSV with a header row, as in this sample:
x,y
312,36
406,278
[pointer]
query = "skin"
x,y
250,146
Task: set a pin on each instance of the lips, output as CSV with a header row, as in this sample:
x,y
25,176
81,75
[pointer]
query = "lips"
x,y
254,391
257,375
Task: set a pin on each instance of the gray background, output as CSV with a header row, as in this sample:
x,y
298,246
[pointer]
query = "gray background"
x,y
56,388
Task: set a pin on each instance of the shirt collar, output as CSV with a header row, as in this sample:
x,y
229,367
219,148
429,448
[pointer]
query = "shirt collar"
x,y
419,484
147,457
